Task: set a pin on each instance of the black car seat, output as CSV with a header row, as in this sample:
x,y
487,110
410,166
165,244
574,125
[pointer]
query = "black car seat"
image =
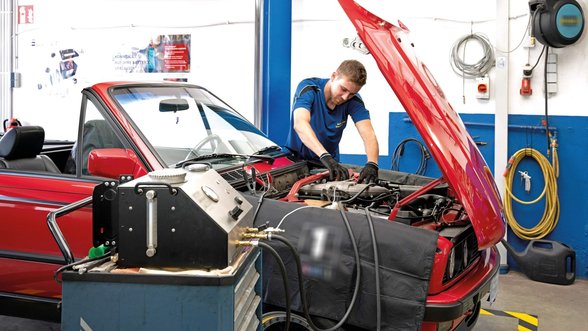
x,y
96,134
20,149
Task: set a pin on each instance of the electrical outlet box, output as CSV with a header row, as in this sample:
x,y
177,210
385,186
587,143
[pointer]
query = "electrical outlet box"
x,y
552,88
551,77
529,42
551,73
483,87
15,79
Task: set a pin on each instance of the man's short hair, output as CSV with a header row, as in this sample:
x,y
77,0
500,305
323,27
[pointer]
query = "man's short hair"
x,y
354,71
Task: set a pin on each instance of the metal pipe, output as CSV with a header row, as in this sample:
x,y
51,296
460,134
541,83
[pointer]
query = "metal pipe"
x,y
513,126
510,126
6,44
258,65
56,231
151,196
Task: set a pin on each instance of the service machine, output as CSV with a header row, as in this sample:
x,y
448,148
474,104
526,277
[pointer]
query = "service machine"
x,y
178,262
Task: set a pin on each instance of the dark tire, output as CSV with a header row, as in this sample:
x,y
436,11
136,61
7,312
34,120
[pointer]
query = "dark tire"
x,y
276,321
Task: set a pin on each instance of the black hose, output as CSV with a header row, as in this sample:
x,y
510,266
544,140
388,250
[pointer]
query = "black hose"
x,y
284,277
376,269
301,285
258,207
399,151
61,269
356,195
260,201
539,58
546,99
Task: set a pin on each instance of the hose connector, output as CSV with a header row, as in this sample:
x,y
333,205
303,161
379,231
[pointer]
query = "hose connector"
x,y
508,166
272,230
258,235
554,144
253,243
259,228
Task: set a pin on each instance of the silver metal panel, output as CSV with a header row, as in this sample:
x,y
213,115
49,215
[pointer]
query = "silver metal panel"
x,y
251,320
243,304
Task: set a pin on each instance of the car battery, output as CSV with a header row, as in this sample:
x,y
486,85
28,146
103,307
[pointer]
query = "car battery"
x,y
182,218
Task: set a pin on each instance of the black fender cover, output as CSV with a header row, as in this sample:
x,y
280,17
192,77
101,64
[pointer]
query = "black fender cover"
x,y
406,256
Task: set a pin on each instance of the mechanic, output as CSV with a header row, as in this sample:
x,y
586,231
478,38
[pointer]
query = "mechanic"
x,y
320,110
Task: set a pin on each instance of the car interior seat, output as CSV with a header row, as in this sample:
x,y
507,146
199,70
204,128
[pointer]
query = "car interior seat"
x,y
20,149
96,134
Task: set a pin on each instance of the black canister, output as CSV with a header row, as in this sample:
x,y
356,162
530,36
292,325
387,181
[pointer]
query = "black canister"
x,y
546,261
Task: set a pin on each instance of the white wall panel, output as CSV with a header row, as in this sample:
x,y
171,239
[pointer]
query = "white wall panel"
x,y
104,32
222,34
435,26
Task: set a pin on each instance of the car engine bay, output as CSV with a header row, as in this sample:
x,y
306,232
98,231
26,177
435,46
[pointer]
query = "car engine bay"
x,y
409,199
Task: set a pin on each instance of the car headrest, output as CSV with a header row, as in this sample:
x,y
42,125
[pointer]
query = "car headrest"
x,y
22,142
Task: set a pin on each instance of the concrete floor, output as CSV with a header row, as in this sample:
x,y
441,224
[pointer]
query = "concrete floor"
x,y
553,307
557,307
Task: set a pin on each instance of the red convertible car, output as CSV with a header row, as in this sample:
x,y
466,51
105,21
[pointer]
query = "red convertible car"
x,y
445,229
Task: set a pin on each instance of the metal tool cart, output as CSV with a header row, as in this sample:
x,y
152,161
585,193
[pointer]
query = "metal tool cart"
x,y
173,259
123,301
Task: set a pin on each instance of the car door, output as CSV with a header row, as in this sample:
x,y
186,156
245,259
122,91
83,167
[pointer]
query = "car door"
x,y
29,255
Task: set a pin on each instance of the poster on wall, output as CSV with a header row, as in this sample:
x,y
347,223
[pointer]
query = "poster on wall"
x,y
161,54
56,69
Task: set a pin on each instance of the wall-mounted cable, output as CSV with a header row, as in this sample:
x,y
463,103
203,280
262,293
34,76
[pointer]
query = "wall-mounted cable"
x,y
478,68
399,151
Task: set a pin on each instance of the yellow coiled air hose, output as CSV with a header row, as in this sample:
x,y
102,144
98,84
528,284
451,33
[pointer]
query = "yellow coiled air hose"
x,y
551,212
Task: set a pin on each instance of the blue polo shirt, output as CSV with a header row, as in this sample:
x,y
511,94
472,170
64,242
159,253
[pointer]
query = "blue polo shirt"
x,y
328,125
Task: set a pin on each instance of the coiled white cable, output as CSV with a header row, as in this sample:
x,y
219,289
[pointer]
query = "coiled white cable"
x,y
479,68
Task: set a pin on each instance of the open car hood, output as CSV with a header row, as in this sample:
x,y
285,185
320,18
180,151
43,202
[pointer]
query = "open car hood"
x,y
441,128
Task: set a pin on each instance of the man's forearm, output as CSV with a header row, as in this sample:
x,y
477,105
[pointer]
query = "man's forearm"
x,y
372,150
370,141
309,139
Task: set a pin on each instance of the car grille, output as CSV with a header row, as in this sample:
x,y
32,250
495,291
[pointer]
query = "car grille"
x,y
233,175
464,252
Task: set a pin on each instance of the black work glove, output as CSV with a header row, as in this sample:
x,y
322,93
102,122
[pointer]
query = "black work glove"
x,y
336,170
369,173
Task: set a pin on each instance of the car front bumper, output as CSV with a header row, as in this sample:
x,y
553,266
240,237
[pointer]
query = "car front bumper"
x,y
463,296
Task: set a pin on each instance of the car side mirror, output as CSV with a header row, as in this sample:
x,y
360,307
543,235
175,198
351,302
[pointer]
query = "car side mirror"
x,y
114,162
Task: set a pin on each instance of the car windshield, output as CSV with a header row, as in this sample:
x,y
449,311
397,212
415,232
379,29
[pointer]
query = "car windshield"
x,y
184,123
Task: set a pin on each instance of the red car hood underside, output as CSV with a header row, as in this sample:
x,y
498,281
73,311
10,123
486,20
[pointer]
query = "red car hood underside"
x,y
440,126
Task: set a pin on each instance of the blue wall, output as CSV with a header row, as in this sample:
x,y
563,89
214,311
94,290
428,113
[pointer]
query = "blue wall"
x,y
572,228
